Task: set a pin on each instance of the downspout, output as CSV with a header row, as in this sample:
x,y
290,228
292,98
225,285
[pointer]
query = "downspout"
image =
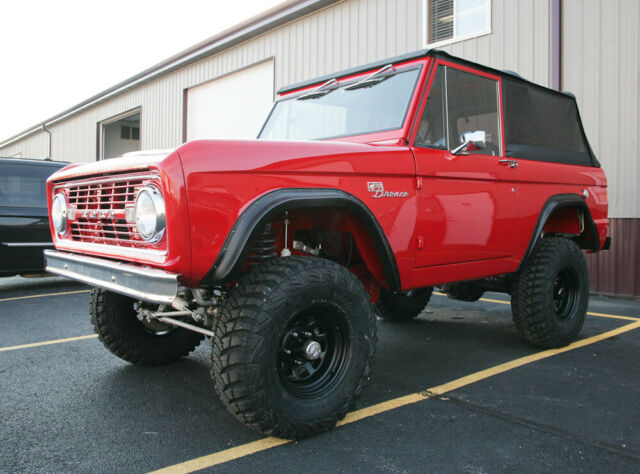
x,y
556,45
46,130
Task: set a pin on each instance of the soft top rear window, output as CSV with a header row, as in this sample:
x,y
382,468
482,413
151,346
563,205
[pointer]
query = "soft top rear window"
x,y
543,125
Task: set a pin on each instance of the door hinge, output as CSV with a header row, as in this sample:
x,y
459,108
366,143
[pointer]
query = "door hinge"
x,y
418,182
420,241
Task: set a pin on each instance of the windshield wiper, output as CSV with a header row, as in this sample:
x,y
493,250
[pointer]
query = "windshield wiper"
x,y
373,79
321,90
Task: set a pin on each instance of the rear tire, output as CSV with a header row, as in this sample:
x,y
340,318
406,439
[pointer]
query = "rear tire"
x,y
261,369
551,294
403,306
116,323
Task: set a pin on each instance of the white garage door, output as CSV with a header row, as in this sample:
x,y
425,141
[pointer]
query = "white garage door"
x,y
234,106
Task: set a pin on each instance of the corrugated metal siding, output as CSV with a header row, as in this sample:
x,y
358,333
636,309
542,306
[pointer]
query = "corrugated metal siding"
x,y
615,272
601,66
337,37
519,40
34,146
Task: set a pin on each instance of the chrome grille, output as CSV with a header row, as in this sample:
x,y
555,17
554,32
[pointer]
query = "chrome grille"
x,y
101,210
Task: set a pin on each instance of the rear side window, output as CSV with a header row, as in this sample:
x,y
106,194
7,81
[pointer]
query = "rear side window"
x,y
24,185
543,125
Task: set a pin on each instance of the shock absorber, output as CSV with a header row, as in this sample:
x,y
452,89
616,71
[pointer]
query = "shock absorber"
x,y
264,247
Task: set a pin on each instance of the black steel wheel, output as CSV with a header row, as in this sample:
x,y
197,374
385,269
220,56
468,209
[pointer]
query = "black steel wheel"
x,y
403,306
551,294
314,352
117,324
293,346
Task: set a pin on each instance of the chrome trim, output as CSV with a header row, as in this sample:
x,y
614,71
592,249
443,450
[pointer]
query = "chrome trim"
x,y
143,283
119,177
113,250
27,244
63,219
159,208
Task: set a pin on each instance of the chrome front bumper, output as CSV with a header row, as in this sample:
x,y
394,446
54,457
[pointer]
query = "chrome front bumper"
x,y
142,283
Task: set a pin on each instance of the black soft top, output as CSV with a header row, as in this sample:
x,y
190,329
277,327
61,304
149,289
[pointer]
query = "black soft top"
x,y
540,123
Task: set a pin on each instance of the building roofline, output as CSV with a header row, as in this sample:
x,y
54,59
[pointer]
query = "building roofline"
x,y
268,20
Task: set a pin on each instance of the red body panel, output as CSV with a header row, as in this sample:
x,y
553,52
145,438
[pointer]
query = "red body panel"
x,y
462,217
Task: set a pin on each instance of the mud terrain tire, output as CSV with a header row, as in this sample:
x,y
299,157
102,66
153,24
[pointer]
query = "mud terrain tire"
x,y
115,321
551,294
403,306
264,324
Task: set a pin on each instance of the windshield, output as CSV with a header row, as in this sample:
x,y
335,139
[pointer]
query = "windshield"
x,y
343,111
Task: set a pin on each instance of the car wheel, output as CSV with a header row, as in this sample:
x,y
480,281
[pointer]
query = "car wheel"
x,y
293,346
115,321
403,306
551,294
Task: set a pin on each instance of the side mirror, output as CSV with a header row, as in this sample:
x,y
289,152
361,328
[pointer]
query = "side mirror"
x,y
471,141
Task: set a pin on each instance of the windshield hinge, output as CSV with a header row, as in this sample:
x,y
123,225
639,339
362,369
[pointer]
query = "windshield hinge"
x,y
372,79
321,90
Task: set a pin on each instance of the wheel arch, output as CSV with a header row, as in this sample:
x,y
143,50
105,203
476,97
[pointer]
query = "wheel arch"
x,y
248,226
588,237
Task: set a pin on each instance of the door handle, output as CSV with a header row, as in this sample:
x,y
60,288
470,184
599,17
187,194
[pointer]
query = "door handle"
x,y
509,163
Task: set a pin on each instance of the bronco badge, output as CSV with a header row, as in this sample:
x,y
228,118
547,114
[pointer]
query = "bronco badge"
x,y
377,188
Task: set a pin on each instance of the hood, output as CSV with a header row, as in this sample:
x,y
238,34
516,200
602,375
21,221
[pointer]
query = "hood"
x,y
135,161
270,156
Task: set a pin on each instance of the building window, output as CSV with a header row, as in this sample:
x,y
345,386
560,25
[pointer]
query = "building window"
x,y
455,20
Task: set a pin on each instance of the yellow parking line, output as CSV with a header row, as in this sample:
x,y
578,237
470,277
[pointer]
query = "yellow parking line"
x,y
601,315
47,343
614,316
268,443
44,295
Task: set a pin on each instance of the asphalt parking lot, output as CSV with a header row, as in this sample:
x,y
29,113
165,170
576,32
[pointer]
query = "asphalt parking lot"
x,y
454,390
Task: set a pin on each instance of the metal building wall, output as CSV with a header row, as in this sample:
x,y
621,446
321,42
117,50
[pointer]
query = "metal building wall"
x,y
601,65
33,146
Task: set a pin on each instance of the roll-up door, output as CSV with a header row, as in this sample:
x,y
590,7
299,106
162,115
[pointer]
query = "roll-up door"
x,y
233,106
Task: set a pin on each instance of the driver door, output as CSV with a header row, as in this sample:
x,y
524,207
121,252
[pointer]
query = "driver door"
x,y
467,201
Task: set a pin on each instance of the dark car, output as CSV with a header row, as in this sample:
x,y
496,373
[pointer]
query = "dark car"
x,y
24,224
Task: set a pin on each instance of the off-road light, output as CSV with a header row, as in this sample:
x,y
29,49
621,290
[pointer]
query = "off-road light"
x,y
59,213
150,214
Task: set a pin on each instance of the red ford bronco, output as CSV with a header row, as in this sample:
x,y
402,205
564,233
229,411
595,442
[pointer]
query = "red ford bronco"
x,y
364,189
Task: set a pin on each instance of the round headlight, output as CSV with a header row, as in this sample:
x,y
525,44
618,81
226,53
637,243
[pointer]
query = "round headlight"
x,y
59,213
150,215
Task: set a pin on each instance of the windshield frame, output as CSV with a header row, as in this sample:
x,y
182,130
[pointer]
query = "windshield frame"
x,y
421,64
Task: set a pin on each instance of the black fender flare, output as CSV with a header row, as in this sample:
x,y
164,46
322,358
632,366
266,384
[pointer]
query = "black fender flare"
x,y
249,225
557,201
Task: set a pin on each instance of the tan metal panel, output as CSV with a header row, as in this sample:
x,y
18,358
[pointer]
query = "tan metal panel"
x,y
34,146
601,67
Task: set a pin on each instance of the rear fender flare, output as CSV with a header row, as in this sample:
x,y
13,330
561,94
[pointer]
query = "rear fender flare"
x,y
248,226
589,239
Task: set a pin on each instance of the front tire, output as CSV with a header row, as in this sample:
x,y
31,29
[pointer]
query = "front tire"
x,y
551,294
116,323
293,346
